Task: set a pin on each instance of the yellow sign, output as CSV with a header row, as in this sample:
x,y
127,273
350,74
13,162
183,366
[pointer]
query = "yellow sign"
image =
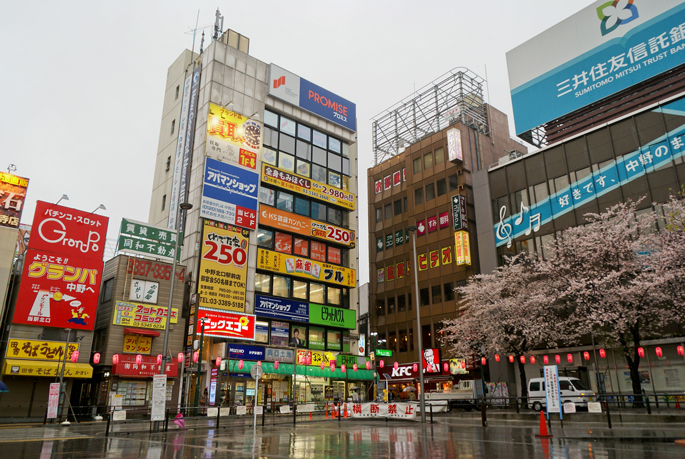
x,y
135,344
307,187
223,266
38,350
303,267
317,357
462,249
233,138
34,368
434,259
142,315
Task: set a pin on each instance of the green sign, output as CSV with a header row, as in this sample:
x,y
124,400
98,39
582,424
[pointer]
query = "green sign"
x,y
399,237
332,316
153,233
388,241
347,360
383,353
154,249
148,240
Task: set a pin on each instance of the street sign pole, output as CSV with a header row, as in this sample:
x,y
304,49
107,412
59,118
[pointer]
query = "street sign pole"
x,y
256,372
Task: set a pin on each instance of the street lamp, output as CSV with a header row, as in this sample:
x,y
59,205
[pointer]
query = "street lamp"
x,y
183,206
422,402
62,391
199,362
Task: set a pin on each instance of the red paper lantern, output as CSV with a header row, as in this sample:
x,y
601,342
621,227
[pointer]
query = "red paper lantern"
x,y
240,364
276,365
681,350
139,359
659,352
159,359
445,367
308,360
641,351
259,363
586,355
342,368
354,367
368,365
332,366
115,359
511,359
395,365
522,359
496,357
415,367
74,357
381,364
196,356
532,360
603,353
322,365
569,358
482,361
217,362
180,357
557,359
96,358
545,359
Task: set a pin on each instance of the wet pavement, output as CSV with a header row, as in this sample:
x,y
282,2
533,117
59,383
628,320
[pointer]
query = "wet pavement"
x,y
351,439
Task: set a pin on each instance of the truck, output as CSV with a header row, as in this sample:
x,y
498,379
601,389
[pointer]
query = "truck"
x,y
464,395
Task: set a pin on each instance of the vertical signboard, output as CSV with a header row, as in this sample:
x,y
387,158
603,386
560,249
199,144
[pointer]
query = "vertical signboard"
x,y
552,390
189,138
454,152
180,148
462,248
53,400
12,195
459,216
158,398
230,194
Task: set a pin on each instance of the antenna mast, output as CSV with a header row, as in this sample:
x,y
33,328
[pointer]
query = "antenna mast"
x,y
218,24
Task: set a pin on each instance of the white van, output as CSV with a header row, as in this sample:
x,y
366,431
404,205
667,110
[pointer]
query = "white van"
x,y
570,390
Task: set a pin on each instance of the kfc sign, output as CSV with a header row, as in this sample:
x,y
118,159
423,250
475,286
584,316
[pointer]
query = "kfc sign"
x,y
402,372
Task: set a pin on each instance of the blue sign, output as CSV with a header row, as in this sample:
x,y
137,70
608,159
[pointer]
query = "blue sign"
x,y
279,308
328,105
245,352
646,159
644,52
230,194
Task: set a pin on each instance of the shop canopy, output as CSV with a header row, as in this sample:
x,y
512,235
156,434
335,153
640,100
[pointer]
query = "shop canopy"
x,y
287,369
21,367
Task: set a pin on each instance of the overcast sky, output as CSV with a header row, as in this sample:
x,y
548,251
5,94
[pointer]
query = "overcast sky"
x,y
83,82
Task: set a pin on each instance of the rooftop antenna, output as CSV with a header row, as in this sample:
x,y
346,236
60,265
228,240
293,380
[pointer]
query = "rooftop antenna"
x,y
11,168
195,31
202,42
218,24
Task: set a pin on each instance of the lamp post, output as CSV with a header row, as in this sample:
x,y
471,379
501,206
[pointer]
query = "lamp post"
x,y
199,362
374,386
422,399
183,206
61,375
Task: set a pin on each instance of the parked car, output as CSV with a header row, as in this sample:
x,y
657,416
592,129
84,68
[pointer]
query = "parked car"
x,y
570,390
464,395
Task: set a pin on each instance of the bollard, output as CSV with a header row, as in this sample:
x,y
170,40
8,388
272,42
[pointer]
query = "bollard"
x,y
263,415
109,418
431,406
649,408
218,417
294,414
517,406
608,412
483,413
166,421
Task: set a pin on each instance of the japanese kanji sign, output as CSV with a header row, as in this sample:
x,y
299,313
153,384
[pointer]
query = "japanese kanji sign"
x,y
462,248
142,315
270,216
303,267
301,185
233,138
222,324
38,350
230,194
317,357
383,410
127,367
135,344
142,238
222,280
459,213
12,194
46,369
332,316
58,291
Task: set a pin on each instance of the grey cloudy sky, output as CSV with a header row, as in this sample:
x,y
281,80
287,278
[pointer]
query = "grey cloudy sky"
x,y
83,82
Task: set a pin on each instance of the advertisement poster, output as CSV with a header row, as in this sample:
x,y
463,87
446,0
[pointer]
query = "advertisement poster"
x,y
12,195
23,240
233,138
229,194
144,291
383,410
307,187
223,266
270,216
39,349
158,398
552,392
378,186
462,248
317,357
280,332
282,309
222,324
53,401
302,267
142,315
431,361
458,367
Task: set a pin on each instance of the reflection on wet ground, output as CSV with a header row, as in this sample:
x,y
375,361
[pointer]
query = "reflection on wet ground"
x,y
352,440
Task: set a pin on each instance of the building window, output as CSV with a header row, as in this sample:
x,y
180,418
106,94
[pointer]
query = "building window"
x,y
449,291
284,201
398,207
409,301
334,216
168,163
461,283
281,286
318,211
318,251
178,88
430,192
403,341
417,165
426,336
439,156
380,307
302,206
427,161
333,296
379,244
267,196
424,297
442,187
173,126
379,214
391,305
265,238
299,290
454,182
107,290
284,243
163,202
317,293
411,339
262,283
388,211
404,202
392,340
437,295
401,303
418,196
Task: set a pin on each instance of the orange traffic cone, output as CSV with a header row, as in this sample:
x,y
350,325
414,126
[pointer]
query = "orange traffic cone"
x,y
543,427
310,415
345,411
335,412
326,411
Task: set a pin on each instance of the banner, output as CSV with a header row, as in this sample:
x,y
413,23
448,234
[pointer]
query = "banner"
x,y
221,324
229,194
270,216
142,316
281,179
39,349
382,410
462,248
188,143
12,195
302,267
223,266
180,148
459,213
233,138
58,291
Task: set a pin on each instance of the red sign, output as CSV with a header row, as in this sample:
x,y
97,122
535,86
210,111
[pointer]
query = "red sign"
x,y
432,224
431,361
127,367
247,159
421,226
58,291
223,324
387,182
396,178
379,186
68,232
444,220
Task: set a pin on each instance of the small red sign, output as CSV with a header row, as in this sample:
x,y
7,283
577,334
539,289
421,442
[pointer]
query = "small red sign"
x,y
223,324
127,367
432,224
248,159
444,220
421,226
246,218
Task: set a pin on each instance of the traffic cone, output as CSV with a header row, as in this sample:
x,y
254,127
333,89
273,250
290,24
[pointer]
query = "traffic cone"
x,y
677,403
543,427
326,411
345,411
335,412
310,415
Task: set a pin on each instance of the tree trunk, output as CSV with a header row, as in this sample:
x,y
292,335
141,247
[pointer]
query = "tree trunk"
x,y
524,382
633,365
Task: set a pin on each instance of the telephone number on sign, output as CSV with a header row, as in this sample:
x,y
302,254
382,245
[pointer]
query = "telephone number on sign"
x,y
228,304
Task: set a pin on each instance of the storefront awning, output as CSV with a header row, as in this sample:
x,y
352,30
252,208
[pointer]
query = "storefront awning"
x,y
140,331
287,369
18,367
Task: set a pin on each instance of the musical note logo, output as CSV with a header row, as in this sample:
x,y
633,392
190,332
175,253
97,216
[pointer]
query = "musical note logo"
x,y
519,219
533,218
504,229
